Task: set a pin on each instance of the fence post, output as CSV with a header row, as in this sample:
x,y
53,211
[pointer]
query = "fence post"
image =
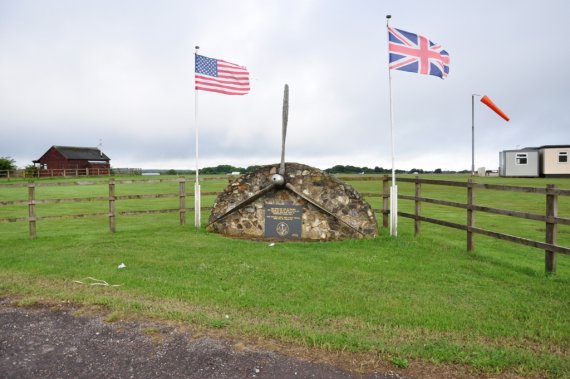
x,y
182,197
32,209
112,205
417,225
470,215
551,227
385,201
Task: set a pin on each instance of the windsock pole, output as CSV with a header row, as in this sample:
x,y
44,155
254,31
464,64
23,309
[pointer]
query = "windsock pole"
x,y
473,133
485,100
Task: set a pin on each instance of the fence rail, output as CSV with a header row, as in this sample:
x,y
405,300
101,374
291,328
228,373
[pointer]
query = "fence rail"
x,y
68,172
550,218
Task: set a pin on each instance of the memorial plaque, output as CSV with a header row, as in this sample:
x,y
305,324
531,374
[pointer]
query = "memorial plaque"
x,y
283,221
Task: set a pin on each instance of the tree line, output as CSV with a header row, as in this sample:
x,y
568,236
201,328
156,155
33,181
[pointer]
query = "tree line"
x,y
9,164
338,169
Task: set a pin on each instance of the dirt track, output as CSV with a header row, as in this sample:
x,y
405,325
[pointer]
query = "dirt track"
x,y
42,342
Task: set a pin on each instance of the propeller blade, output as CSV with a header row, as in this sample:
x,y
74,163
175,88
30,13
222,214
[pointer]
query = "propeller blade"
x,y
243,203
284,127
314,202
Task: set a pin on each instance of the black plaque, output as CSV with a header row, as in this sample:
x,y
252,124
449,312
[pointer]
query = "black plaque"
x,y
283,221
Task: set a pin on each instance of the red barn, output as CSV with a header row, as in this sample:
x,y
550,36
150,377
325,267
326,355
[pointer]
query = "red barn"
x,y
69,160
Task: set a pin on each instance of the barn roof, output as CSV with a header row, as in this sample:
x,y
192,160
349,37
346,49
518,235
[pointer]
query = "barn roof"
x,y
83,153
88,153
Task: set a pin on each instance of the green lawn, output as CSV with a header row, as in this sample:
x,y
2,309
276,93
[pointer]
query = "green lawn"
x,y
403,299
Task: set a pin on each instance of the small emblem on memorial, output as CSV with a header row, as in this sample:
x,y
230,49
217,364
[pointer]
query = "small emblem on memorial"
x,y
282,229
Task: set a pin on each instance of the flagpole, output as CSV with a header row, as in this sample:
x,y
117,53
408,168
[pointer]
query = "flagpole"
x,y
197,194
394,187
473,133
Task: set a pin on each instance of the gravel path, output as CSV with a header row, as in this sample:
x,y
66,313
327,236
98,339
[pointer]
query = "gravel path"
x,y
40,342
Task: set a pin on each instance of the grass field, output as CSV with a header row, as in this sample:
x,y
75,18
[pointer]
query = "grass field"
x,y
401,300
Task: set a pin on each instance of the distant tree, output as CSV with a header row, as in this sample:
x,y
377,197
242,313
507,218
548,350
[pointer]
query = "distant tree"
x,y
348,169
437,171
171,172
7,163
353,169
221,169
252,168
31,171
335,169
381,170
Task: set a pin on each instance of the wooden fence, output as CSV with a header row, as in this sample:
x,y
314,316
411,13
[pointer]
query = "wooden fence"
x,y
112,198
550,218
68,172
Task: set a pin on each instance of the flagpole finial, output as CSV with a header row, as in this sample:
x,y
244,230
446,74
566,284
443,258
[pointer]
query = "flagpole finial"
x,y
388,16
197,47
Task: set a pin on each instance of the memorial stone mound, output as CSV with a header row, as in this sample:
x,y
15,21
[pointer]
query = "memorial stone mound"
x,y
291,201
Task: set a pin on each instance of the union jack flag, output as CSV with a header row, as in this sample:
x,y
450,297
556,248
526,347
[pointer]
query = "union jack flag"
x,y
415,53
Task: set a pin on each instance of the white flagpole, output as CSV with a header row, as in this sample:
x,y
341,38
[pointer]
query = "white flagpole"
x,y
473,133
394,187
197,195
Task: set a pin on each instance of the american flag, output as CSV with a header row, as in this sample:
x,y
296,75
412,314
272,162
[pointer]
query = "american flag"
x,y
216,75
415,53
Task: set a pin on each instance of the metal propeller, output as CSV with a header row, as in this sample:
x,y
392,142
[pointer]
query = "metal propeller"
x,y
284,127
245,202
277,180
309,199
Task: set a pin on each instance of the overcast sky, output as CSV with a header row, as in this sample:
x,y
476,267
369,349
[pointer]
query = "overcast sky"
x,y
76,72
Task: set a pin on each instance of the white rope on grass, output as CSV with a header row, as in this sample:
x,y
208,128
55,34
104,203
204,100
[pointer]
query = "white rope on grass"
x,y
96,282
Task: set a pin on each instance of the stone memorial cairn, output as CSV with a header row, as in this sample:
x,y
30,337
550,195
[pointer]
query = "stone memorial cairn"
x,y
291,201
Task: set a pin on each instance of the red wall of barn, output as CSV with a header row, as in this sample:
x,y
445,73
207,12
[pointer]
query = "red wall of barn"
x,y
53,160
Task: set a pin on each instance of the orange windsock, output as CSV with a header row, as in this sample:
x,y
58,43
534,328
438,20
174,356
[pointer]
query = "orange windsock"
x,y
485,100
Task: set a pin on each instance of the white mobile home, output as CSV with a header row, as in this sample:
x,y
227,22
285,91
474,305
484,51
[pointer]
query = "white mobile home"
x,y
522,163
554,160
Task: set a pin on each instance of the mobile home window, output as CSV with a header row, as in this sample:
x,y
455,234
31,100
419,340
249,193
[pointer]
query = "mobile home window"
x,y
521,158
562,157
